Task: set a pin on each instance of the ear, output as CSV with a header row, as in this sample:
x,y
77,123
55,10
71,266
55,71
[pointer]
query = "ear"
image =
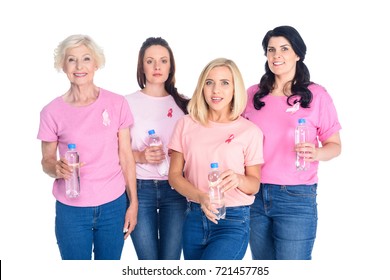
x,y
298,58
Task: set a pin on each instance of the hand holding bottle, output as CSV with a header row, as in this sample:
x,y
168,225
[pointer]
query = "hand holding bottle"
x,y
156,147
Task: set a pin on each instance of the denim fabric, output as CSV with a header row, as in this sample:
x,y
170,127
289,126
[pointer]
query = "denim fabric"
x,y
283,222
204,240
83,230
158,234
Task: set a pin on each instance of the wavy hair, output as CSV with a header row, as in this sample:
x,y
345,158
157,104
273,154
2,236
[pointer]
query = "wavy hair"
x,y
301,80
74,41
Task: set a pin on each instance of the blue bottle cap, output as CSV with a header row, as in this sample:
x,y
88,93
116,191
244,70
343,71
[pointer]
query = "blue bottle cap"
x,y
72,146
301,121
214,165
151,132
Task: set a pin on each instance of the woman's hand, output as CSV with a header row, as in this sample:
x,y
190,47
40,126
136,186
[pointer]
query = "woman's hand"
x,y
208,209
306,150
153,155
230,180
130,219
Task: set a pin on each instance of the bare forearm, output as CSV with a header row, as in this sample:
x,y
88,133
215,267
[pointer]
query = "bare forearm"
x,y
128,169
139,157
328,151
184,187
49,167
249,184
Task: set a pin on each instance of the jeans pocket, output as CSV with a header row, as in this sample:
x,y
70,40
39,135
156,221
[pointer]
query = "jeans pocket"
x,y
301,190
239,214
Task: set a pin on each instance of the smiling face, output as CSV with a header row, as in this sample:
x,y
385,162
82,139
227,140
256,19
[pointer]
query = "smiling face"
x,y
156,64
218,91
79,65
281,58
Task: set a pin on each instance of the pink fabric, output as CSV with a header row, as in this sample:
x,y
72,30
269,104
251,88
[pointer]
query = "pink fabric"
x,y
278,127
94,129
233,145
158,113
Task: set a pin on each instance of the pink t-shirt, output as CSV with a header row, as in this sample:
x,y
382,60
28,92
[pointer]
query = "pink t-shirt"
x,y
94,129
233,145
158,113
278,124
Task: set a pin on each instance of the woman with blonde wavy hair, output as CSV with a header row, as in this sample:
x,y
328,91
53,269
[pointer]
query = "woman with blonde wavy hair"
x,y
214,131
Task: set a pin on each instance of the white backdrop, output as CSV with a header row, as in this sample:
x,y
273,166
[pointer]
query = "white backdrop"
x,y
347,53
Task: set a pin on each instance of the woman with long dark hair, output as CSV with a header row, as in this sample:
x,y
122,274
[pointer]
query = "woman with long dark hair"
x,y
284,214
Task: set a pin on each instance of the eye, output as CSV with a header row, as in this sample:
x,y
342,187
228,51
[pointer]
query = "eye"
x,y
71,59
149,61
208,82
225,83
165,61
270,50
284,49
87,58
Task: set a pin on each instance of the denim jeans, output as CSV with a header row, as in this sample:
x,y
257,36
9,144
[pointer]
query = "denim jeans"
x,y
79,230
158,234
204,240
283,222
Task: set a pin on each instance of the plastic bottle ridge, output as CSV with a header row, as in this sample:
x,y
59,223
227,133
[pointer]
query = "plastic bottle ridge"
x,y
216,195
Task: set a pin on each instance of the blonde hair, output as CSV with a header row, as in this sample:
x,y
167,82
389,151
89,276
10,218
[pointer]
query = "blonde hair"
x,y
77,40
198,108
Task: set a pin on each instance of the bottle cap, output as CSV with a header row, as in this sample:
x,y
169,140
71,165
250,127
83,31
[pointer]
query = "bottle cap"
x,y
214,165
72,146
151,132
301,121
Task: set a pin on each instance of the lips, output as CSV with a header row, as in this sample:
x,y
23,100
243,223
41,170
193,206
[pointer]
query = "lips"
x,y
216,99
80,74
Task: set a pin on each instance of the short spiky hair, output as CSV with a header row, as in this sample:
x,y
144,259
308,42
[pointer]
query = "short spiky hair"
x,y
77,40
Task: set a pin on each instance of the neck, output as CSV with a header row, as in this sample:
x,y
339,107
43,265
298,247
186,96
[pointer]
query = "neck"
x,y
81,95
155,90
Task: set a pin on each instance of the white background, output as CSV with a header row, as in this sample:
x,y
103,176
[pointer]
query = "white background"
x,y
347,53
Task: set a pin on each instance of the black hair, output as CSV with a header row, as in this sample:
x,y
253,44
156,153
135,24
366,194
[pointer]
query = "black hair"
x,y
301,80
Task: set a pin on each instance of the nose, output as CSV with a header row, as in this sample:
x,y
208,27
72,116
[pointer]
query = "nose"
x,y
277,53
78,64
216,88
157,66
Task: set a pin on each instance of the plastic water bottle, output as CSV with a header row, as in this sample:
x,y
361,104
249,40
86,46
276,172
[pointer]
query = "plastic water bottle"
x,y
301,136
72,185
216,196
154,140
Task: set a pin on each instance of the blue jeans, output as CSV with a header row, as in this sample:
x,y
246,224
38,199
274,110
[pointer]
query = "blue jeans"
x,y
283,222
204,240
79,229
158,234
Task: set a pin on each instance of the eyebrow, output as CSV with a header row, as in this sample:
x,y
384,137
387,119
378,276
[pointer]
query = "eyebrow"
x,y
158,58
285,45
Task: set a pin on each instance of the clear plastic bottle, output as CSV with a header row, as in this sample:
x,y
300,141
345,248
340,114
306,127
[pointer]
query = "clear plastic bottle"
x,y
72,185
154,140
301,136
216,196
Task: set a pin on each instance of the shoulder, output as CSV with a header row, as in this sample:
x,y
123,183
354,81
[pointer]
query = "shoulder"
x,y
53,104
134,95
319,92
109,96
251,126
253,89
